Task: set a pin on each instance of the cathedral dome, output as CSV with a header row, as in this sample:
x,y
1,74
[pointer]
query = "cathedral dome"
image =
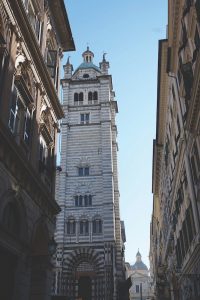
x,y
139,265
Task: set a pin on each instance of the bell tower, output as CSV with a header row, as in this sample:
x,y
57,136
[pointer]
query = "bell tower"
x,y
88,231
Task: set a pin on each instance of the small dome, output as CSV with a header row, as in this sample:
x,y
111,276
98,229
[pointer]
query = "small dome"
x,y
139,265
88,61
88,65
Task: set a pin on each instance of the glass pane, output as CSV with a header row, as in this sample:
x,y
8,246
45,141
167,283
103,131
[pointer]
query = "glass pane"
x,y
86,200
90,200
51,58
82,117
80,200
81,96
80,171
86,171
87,116
86,227
81,227
94,226
76,97
27,127
90,96
95,96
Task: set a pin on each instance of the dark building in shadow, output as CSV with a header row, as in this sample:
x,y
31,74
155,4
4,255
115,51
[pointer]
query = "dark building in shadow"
x,y
33,35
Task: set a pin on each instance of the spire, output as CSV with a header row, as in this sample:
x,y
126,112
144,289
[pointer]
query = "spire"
x,y
104,65
68,68
68,62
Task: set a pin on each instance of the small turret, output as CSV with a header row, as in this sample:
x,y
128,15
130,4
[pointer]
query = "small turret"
x,y
104,65
68,69
88,56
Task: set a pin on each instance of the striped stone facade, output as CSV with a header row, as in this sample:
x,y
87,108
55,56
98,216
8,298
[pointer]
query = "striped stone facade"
x,y
90,247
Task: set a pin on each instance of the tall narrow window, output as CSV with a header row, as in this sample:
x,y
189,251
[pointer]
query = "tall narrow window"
x,y
97,226
81,96
137,288
27,127
90,200
43,155
80,200
90,96
84,227
51,62
71,226
86,200
13,110
95,95
75,98
76,200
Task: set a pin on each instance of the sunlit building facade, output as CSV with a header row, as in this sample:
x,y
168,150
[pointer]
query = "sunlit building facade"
x,y
175,226
140,279
89,258
33,35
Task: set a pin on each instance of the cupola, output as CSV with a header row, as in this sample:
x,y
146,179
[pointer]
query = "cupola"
x,y
88,56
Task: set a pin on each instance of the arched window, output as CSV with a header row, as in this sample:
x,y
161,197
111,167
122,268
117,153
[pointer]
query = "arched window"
x,y
84,227
81,96
75,96
11,218
97,226
95,96
90,96
71,226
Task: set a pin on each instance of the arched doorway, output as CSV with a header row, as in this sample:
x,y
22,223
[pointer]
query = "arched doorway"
x,y
85,288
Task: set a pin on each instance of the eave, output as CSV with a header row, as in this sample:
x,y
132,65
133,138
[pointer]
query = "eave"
x,y
60,17
162,88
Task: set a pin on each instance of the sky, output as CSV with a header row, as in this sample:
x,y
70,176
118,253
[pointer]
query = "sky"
x,y
128,31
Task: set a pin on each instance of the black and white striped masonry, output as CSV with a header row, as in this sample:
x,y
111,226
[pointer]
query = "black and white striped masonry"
x,y
89,262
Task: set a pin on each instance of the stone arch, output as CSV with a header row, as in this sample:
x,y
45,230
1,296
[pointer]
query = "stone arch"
x,y
12,207
84,255
84,216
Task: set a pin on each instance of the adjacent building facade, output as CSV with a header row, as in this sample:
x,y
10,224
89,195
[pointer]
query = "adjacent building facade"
x,y
33,35
175,226
89,258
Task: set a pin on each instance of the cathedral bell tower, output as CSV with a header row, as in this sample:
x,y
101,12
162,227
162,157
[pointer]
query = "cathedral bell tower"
x,y
89,260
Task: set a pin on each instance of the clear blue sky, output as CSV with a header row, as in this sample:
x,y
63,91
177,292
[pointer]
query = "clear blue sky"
x,y
128,31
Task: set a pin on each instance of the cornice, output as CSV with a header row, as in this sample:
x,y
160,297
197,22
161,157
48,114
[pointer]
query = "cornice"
x,y
59,14
174,26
